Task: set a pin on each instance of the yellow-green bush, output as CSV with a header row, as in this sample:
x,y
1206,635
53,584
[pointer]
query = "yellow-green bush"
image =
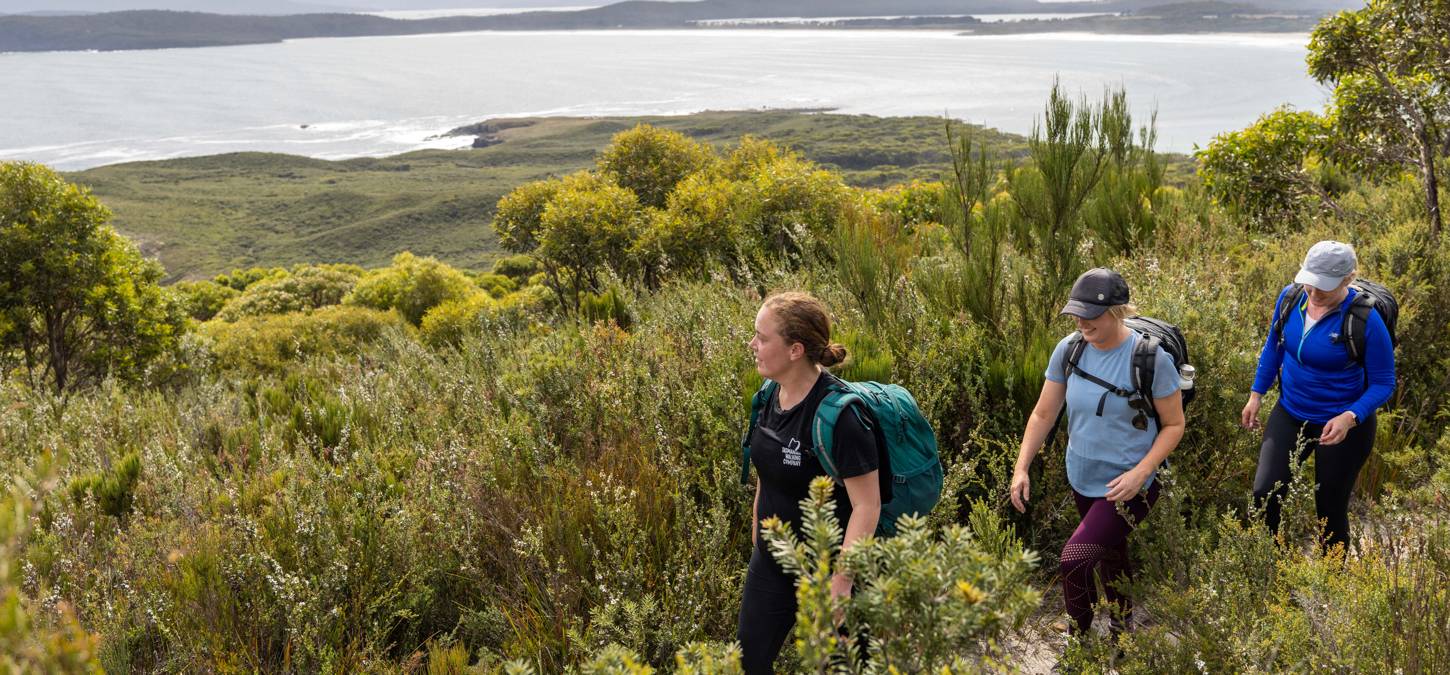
x,y
412,286
914,203
446,324
203,299
650,161
272,343
517,267
305,287
241,279
497,285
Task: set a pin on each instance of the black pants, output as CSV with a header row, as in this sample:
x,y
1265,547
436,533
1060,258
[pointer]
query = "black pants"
x,y
1335,470
767,613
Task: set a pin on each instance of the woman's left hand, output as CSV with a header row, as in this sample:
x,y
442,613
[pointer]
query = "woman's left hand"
x,y
1126,486
840,589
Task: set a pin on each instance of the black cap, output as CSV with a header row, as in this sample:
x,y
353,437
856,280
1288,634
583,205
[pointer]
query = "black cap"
x,y
1094,292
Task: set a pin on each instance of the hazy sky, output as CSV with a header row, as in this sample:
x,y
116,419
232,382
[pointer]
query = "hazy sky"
x,y
17,6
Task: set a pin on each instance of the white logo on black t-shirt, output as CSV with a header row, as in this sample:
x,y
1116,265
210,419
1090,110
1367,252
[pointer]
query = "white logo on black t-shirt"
x,y
791,453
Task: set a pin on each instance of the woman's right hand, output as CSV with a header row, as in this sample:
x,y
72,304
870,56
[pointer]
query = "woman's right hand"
x,y
1021,490
1249,419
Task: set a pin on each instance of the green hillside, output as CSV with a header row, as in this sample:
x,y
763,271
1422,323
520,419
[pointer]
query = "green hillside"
x,y
205,215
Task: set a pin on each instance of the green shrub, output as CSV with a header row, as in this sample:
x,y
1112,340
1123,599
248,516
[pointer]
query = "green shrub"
x,y
517,267
1262,170
913,203
449,322
587,230
113,491
240,279
273,343
751,155
305,287
931,601
78,302
866,358
873,254
609,306
34,638
201,300
497,285
798,206
412,286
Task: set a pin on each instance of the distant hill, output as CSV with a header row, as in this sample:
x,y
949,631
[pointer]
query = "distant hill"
x,y
210,6
1198,8
154,30
376,5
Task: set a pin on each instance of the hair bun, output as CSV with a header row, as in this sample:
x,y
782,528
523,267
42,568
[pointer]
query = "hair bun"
x,y
835,354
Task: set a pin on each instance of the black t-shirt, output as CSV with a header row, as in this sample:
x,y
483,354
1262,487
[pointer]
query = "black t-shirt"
x,y
780,450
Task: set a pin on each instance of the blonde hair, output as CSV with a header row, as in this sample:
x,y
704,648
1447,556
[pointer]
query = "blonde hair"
x,y
803,319
1124,311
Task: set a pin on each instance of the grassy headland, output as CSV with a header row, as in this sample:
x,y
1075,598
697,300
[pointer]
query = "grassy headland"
x,y
206,215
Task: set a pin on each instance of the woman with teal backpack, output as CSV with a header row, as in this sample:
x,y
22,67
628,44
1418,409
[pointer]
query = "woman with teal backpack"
x,y
1117,438
792,349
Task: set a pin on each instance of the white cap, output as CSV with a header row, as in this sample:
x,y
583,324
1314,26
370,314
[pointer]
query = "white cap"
x,y
1326,265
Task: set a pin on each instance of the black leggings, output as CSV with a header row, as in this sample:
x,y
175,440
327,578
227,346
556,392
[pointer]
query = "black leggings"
x,y
767,613
1335,470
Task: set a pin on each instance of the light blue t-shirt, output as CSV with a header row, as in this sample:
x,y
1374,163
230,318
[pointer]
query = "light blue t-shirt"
x,y
1100,449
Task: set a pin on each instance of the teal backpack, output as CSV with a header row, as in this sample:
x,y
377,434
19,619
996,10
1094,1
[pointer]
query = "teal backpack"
x,y
911,470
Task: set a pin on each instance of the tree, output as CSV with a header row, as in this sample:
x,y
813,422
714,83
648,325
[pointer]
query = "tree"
x,y
1389,64
590,224
700,228
796,206
1068,151
650,162
518,215
78,303
1267,170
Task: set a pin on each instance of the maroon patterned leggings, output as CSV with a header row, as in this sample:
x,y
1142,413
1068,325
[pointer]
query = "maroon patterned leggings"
x,y
1100,542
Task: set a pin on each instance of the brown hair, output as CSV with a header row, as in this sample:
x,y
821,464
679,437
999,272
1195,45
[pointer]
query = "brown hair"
x,y
803,319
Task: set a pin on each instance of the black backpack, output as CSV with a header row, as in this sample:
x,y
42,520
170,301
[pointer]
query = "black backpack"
x,y
1371,297
1155,333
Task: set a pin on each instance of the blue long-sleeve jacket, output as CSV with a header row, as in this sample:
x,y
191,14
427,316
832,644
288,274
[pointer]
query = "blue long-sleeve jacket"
x,y
1319,380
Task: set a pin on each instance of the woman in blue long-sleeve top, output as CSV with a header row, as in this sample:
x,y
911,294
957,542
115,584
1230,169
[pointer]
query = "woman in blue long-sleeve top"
x,y
1327,398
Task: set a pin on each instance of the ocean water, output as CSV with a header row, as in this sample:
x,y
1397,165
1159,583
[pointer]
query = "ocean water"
x,y
413,14
807,20
346,97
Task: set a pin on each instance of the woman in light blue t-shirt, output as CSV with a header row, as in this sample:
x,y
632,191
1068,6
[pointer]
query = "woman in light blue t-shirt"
x,y
1116,441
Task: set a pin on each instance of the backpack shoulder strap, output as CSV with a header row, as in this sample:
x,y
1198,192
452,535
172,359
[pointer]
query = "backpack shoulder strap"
x,y
757,404
1145,362
1292,297
1075,346
838,398
1356,324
